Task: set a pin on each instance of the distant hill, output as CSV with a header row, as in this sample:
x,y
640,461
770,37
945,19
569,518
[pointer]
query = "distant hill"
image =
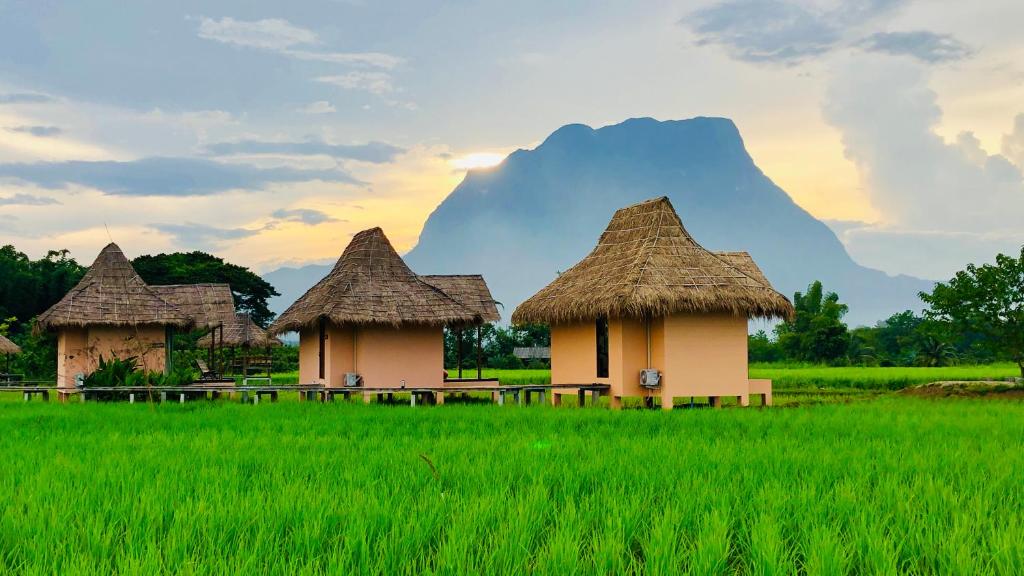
x,y
542,210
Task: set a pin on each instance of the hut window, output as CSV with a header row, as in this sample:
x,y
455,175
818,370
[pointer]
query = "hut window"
x,y
602,347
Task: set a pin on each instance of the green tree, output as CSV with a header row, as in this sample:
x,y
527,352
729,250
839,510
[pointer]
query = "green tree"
x,y
817,332
251,292
986,300
761,348
28,287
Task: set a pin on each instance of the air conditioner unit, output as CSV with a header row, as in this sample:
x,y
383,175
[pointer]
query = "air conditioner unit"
x,y
353,380
650,378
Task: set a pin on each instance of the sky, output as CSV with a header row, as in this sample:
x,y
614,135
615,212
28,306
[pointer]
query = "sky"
x,y
269,132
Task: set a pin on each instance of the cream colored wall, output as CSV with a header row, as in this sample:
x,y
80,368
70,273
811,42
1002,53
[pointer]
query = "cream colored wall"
x,y
705,355
72,355
79,349
630,352
385,356
574,354
309,355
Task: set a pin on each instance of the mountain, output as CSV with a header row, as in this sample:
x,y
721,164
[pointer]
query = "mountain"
x,y
542,210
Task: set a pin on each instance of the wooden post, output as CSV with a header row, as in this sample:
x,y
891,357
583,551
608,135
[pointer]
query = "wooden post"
x,y
581,397
479,352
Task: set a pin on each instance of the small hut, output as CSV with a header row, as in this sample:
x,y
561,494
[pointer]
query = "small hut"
x,y
653,314
8,349
372,318
113,313
246,340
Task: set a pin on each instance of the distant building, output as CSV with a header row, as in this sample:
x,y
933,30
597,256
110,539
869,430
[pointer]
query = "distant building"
x,y
374,318
113,313
650,299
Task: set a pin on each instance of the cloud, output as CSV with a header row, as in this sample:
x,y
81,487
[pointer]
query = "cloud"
x,y
378,83
24,98
921,44
39,131
283,37
304,215
923,186
318,107
159,176
27,200
376,152
780,31
268,34
1013,143
203,236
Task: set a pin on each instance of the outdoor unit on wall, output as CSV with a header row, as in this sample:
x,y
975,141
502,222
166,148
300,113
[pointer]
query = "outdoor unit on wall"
x,y
353,380
650,378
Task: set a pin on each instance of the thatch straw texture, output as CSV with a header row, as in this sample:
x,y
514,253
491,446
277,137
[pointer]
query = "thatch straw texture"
x,y
470,290
8,347
647,264
241,332
745,263
112,294
371,284
208,305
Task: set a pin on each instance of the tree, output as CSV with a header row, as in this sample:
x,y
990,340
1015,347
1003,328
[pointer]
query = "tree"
x,y
817,333
251,292
29,287
987,300
761,348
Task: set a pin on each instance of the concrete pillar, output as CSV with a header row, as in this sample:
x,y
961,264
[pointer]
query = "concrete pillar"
x,y
716,401
439,398
367,398
666,401
615,402
745,400
556,398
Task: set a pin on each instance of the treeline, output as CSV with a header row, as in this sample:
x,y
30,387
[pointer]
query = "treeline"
x,y
976,317
498,343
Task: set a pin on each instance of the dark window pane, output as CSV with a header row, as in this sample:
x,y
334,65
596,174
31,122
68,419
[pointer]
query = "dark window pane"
x,y
602,347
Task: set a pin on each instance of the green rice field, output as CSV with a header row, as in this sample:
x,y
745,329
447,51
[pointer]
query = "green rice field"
x,y
886,485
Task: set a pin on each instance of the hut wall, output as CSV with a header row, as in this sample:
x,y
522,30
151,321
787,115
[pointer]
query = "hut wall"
x,y
337,361
79,349
574,354
385,356
72,355
309,365
630,349
705,355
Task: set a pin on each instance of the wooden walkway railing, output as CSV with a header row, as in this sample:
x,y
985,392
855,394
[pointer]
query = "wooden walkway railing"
x,y
500,394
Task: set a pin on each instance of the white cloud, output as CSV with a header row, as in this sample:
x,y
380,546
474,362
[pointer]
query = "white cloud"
x,y
1013,143
932,194
318,107
283,37
268,34
378,83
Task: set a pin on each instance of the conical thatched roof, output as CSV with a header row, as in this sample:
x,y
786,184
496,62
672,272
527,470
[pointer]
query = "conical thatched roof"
x,y
112,294
371,284
646,263
745,263
8,347
241,332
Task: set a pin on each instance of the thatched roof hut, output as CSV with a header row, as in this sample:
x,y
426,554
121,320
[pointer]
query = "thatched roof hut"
x,y
112,294
647,264
208,305
470,290
371,285
8,347
241,332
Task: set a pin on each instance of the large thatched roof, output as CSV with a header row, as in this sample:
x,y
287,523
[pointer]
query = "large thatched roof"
x,y
8,347
112,294
241,332
646,263
470,290
207,304
371,284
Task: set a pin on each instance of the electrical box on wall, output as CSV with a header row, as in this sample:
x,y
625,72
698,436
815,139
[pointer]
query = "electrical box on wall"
x,y
650,378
